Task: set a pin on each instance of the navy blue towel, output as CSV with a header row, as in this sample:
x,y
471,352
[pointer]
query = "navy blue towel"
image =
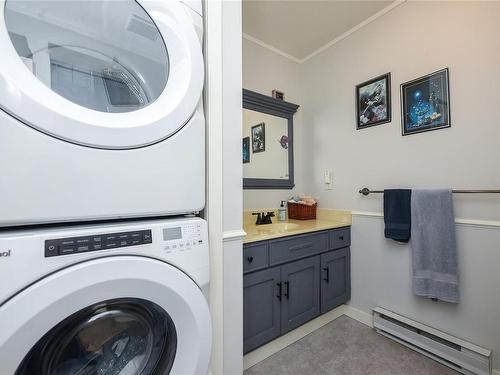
x,y
397,214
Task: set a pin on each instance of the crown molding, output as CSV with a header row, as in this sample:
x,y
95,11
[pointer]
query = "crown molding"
x,y
271,48
359,26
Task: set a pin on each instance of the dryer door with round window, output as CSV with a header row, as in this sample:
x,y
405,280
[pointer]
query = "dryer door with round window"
x,y
106,74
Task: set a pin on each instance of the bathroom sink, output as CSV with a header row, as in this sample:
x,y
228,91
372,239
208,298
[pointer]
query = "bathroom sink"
x,y
276,227
284,226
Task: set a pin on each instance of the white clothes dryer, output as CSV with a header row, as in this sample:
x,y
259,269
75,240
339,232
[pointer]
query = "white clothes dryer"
x,y
101,110
122,299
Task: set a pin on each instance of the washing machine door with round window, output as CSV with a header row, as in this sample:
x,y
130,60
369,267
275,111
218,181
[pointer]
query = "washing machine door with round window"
x,y
106,74
120,315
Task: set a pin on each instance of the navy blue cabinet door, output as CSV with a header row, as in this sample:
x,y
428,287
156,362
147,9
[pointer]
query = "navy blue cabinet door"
x,y
335,279
261,307
301,292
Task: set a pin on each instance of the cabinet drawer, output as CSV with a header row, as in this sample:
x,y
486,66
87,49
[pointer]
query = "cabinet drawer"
x,y
255,256
340,238
283,250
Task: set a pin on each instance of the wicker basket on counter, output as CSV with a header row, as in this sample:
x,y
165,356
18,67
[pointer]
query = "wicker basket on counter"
x,y
301,211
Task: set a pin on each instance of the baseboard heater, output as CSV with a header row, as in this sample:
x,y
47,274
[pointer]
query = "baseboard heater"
x,y
453,352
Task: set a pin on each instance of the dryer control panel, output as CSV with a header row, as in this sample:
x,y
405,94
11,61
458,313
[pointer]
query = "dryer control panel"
x,y
182,237
72,245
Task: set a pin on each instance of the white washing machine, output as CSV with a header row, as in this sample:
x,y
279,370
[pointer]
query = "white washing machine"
x,y
127,298
101,113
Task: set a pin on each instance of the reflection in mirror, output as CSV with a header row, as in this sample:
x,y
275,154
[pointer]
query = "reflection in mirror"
x,y
267,145
104,55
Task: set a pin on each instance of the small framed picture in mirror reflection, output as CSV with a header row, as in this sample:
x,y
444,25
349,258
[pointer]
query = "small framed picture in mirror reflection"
x,y
246,150
259,138
278,95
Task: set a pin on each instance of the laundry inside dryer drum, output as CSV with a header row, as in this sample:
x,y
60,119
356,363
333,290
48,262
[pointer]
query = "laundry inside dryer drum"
x,y
117,337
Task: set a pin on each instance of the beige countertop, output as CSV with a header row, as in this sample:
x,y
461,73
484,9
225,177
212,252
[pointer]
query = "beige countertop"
x,y
326,219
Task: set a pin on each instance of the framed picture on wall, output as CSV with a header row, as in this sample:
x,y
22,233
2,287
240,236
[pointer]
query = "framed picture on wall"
x,y
425,103
278,95
246,150
373,102
259,138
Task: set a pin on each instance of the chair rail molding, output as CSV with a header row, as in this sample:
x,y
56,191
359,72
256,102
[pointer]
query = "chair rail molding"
x,y
233,235
485,224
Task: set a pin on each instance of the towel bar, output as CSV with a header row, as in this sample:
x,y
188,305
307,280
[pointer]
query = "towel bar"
x,y
366,191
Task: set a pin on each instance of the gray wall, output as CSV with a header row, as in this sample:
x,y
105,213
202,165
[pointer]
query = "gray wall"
x,y
264,71
414,39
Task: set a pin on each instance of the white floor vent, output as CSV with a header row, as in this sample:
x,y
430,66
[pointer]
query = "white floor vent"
x,y
453,352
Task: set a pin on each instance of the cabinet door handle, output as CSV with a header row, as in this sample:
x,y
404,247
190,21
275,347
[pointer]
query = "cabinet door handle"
x,y
302,246
327,278
287,290
250,259
341,238
279,290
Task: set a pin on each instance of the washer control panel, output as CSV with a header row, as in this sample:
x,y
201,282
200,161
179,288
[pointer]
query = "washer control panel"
x,y
73,245
182,237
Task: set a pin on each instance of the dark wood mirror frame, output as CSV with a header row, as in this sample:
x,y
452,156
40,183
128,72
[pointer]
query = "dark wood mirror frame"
x,y
275,107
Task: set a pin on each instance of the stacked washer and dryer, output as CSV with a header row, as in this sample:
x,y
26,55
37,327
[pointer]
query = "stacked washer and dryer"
x,y
102,156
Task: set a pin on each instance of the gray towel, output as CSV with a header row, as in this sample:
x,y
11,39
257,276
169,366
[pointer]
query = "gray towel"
x,y
433,243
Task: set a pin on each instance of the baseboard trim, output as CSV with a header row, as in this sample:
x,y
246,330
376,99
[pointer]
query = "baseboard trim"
x,y
359,315
267,350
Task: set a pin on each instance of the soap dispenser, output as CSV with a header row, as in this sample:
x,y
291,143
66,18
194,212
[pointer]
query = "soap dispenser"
x,y
282,212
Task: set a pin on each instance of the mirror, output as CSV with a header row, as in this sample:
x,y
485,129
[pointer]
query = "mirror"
x,y
267,142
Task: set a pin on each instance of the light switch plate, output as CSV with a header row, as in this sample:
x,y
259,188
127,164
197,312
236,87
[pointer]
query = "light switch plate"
x,y
328,179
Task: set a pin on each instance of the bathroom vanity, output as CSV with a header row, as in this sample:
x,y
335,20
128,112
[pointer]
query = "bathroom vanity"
x,y
293,272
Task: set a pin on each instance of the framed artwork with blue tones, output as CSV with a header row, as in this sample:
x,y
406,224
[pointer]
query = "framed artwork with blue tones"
x,y
246,150
373,102
425,103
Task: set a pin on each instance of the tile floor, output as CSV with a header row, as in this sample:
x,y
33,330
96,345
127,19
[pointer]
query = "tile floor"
x,y
347,347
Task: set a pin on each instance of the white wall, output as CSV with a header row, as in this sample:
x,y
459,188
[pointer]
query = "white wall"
x,y
223,91
381,276
264,71
414,39
232,115
232,193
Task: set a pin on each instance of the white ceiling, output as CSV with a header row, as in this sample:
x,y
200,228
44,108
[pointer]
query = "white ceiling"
x,y
300,27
